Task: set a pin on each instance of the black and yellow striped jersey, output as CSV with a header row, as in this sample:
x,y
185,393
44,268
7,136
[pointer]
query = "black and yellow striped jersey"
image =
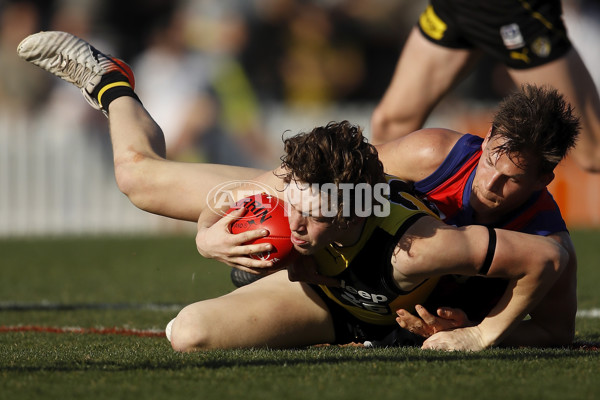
x,y
368,289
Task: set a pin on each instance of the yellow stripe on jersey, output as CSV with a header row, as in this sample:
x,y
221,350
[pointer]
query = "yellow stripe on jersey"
x,y
334,260
397,217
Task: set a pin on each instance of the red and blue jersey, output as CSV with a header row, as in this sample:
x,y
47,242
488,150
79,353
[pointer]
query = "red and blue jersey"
x,y
449,189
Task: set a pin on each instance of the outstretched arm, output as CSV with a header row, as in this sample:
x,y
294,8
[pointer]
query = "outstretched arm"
x,y
431,248
551,322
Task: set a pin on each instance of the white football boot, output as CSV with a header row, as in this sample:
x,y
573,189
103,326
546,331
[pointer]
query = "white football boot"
x,y
74,60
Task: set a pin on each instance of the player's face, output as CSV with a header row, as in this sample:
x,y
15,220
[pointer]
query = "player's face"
x,y
309,231
503,183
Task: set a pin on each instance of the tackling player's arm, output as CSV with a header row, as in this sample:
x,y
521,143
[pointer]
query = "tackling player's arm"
x,y
431,248
552,321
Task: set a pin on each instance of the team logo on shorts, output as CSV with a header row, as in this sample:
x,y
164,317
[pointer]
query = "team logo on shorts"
x,y
511,36
431,24
541,46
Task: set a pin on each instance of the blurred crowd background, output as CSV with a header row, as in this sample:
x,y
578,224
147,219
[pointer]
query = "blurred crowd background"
x,y
225,79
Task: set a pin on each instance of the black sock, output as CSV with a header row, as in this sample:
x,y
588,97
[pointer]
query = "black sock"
x,y
112,86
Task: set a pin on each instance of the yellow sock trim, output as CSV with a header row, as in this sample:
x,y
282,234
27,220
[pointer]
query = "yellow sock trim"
x,y
110,86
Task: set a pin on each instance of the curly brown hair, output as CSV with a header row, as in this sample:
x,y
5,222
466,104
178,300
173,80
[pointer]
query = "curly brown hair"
x,y
335,153
539,120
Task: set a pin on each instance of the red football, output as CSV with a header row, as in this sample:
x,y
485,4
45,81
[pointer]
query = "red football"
x,y
266,212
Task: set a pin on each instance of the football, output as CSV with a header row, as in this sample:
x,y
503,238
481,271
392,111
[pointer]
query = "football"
x,y
266,212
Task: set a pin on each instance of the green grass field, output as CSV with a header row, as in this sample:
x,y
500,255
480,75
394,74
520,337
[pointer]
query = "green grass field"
x,y
113,282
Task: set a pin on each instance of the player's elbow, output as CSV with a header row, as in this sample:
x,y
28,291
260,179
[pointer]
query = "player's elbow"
x,y
560,260
553,260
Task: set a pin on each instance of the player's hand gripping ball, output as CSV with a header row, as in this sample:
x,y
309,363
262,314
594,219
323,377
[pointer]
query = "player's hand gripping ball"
x,y
266,212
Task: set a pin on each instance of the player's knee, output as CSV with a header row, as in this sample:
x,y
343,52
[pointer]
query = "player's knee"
x,y
188,333
132,178
379,125
126,175
389,124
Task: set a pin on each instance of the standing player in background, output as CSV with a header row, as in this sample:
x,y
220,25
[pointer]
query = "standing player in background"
x,y
529,37
152,183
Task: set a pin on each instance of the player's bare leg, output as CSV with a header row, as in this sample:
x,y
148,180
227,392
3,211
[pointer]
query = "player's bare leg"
x,y
272,312
424,74
569,76
175,190
154,184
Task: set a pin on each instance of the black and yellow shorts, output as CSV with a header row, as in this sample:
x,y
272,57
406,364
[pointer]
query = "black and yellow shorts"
x,y
349,329
476,296
519,33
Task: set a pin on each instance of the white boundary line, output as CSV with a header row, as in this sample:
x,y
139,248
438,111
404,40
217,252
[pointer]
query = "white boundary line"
x,y
49,306
590,313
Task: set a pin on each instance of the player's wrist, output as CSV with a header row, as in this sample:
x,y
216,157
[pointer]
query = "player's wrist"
x,y
489,334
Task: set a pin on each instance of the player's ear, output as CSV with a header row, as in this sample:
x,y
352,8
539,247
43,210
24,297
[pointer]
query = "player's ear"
x,y
544,180
486,139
